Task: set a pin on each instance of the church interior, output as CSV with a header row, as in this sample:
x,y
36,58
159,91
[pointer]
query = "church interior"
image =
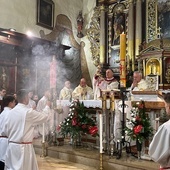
x,y
45,43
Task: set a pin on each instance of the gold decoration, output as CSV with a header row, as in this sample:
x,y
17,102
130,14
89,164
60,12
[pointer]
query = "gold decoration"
x,y
151,23
101,161
93,34
153,67
167,76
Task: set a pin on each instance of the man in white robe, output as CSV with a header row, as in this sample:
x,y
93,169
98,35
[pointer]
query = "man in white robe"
x,y
66,91
108,83
31,103
19,128
159,148
138,84
49,125
83,91
9,103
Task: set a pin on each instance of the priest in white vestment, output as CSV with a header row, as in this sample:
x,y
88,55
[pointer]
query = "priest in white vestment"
x,y
138,84
66,91
9,103
19,128
83,91
108,83
159,148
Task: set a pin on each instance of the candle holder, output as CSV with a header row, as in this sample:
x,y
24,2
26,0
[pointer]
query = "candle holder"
x,y
104,142
112,145
108,108
101,161
123,143
43,149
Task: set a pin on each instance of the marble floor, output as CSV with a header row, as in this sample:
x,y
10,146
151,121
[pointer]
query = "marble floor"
x,y
48,163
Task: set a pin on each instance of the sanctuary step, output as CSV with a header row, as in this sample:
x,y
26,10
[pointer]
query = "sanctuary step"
x,y
90,157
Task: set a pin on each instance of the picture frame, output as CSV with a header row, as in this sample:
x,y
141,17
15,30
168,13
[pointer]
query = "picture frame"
x,y
45,13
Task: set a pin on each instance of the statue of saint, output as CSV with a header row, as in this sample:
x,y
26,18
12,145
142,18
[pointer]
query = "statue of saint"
x,y
80,25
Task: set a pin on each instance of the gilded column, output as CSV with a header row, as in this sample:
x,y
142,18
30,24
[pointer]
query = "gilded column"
x,y
138,33
102,35
130,42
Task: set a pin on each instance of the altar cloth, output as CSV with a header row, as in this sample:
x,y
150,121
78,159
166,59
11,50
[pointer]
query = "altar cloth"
x,y
87,103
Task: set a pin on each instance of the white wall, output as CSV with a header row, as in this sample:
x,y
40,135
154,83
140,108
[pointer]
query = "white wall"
x,y
88,6
21,15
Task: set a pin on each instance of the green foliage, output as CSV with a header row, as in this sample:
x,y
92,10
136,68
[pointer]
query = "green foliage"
x,y
78,121
139,126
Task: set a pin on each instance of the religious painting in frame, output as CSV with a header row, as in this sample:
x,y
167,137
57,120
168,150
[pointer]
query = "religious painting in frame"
x,y
164,17
118,23
45,13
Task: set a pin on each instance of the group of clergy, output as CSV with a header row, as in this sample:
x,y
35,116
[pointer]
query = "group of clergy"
x,y
84,92
17,122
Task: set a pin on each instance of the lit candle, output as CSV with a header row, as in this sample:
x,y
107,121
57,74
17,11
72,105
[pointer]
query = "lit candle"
x,y
122,60
100,131
43,133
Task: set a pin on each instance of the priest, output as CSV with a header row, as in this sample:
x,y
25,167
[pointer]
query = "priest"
x,y
66,91
83,91
138,84
108,83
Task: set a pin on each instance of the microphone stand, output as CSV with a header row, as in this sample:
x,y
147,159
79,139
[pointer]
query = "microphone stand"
x,y
123,143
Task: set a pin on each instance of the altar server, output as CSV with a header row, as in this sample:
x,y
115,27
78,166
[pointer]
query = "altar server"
x,y
49,125
31,103
9,103
83,91
159,149
19,129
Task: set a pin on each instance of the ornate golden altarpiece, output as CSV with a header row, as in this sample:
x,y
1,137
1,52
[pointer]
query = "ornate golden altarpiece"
x,y
154,60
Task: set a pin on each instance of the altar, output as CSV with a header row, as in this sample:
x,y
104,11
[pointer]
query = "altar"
x,y
110,119
152,99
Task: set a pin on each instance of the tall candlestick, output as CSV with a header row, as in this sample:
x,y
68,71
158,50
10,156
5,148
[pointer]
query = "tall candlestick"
x,y
43,133
122,60
53,73
100,131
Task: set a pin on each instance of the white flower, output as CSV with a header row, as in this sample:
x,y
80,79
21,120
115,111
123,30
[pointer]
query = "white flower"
x,y
134,119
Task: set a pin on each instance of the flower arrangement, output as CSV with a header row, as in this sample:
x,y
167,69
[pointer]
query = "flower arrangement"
x,y
139,127
78,121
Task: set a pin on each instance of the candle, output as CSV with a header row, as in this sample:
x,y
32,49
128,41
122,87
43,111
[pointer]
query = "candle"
x,y
100,131
108,104
122,60
43,133
53,73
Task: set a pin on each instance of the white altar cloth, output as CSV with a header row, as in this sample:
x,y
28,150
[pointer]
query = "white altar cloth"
x,y
153,98
87,103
